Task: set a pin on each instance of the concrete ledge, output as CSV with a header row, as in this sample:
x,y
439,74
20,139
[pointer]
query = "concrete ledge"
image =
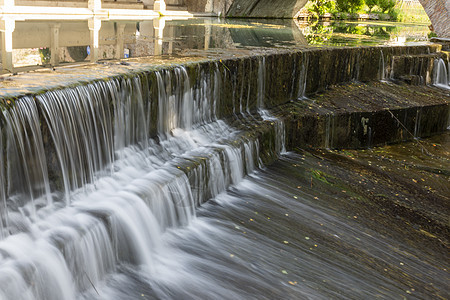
x,y
353,115
366,115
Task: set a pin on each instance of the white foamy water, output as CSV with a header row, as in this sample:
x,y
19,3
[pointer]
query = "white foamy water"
x,y
113,189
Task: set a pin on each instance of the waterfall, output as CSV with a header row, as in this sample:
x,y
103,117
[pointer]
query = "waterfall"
x,y
129,158
279,126
28,184
382,67
301,94
3,204
441,74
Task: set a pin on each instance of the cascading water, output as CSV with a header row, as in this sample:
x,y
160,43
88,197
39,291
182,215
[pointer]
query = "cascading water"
x,y
107,183
382,67
303,74
441,74
113,189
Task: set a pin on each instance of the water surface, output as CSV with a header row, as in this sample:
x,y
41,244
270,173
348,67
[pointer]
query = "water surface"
x,y
33,41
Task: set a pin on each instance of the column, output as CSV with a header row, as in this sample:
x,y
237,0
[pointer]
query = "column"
x,y
94,28
95,5
7,28
158,25
54,44
207,33
120,29
159,6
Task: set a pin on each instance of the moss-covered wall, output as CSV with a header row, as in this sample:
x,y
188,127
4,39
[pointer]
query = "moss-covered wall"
x,y
280,80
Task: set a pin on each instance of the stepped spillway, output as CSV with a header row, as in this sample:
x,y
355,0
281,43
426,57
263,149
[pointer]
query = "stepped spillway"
x,y
102,177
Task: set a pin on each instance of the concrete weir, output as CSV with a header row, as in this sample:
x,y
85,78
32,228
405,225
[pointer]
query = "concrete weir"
x,y
169,177
332,98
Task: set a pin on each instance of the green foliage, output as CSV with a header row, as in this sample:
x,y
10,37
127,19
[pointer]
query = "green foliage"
x,y
371,4
45,55
395,14
387,9
386,5
350,6
318,34
432,35
320,7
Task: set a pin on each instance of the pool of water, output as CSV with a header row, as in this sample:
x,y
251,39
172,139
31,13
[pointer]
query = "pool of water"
x,y
50,43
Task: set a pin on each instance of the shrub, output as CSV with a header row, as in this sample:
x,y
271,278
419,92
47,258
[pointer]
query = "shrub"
x,y
320,7
371,3
386,5
349,5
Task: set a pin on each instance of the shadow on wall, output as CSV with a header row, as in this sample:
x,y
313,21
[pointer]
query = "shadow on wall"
x,y
248,8
265,8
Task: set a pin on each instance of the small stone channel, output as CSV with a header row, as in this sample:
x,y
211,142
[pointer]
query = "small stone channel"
x,y
163,179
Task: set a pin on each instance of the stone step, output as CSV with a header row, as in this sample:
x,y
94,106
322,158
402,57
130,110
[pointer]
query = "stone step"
x,y
356,115
415,69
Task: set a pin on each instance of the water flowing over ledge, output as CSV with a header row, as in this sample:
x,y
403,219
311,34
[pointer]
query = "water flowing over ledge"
x,y
95,172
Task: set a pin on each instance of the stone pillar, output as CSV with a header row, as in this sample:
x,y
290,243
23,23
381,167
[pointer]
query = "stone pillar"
x,y
159,6
54,44
94,28
7,27
120,29
207,33
158,25
95,5
171,36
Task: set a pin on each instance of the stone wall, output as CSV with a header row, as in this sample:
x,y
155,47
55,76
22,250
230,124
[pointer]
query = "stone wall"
x,y
247,8
265,8
220,7
439,13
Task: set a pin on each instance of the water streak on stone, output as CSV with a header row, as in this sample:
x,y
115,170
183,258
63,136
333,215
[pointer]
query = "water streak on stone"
x,y
441,74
